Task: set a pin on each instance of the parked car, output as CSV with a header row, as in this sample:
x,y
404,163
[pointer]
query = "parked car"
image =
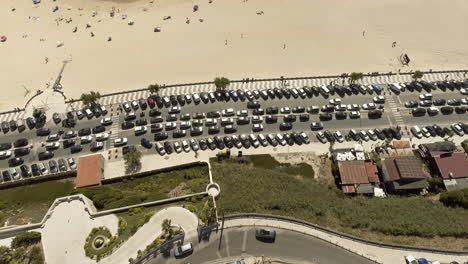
x,y
183,250
267,235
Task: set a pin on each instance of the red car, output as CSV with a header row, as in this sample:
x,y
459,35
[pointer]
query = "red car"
x,y
151,102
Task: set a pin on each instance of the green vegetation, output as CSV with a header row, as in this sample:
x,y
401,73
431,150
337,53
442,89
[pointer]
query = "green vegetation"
x,y
132,161
458,198
465,145
29,203
26,239
204,210
253,189
89,98
146,189
355,76
417,75
100,243
436,184
25,248
154,88
221,83
268,162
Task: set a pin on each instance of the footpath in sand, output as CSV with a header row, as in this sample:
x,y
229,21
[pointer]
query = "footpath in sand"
x,y
236,39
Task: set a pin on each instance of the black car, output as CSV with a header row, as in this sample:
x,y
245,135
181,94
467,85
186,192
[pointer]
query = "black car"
x,y
160,136
45,155
13,125
229,142
76,149
395,132
253,105
258,111
266,235
68,143
213,114
171,117
270,119
289,118
84,132
446,110
53,166
127,125
341,115
316,126
298,109
5,146
439,102
142,103
5,127
30,122
178,133
460,109
99,129
141,122
304,117
25,172
374,114
156,128
14,162
146,143
325,117
35,170
272,110
285,126
21,142
168,147
19,152
42,132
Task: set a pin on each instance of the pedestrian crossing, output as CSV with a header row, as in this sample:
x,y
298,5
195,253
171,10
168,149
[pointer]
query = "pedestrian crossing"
x,y
396,113
12,116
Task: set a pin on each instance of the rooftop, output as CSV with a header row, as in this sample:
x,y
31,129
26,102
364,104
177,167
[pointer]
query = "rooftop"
x,y
90,170
353,172
451,165
404,167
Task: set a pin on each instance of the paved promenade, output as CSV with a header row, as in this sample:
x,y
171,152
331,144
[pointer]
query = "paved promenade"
x,y
378,254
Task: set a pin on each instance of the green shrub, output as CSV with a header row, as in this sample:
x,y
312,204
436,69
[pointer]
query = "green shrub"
x,y
122,225
192,208
26,239
457,198
436,184
135,211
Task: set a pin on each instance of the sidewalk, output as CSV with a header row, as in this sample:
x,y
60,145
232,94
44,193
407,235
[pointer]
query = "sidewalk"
x,y
378,254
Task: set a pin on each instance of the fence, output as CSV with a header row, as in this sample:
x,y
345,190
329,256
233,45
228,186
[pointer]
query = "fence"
x,y
166,246
342,235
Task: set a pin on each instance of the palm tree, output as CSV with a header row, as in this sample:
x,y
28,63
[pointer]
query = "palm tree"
x,y
221,83
355,76
90,98
417,75
154,88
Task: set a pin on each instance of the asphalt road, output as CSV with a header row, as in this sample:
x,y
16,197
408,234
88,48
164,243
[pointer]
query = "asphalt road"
x,y
290,246
394,114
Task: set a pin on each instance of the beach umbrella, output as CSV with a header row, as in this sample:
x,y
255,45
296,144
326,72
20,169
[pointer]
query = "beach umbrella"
x,y
3,38
195,8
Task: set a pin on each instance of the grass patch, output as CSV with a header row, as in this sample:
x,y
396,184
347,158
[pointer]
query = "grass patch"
x,y
247,189
147,189
268,162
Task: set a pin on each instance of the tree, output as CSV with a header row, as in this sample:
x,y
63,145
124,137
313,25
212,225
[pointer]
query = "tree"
x,y
417,75
132,160
221,83
355,76
167,229
154,88
90,98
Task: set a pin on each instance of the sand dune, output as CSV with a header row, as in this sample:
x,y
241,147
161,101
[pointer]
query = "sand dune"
x,y
290,38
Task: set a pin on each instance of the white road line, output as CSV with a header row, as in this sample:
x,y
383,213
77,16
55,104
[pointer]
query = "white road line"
x,y
389,121
227,244
218,254
244,242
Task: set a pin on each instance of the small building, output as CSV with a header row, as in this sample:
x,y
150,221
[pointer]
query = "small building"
x,y
90,171
404,174
358,176
452,168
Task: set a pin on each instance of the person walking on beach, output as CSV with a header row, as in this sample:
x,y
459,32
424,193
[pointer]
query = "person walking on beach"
x,y
225,43
284,46
364,33
394,44
46,60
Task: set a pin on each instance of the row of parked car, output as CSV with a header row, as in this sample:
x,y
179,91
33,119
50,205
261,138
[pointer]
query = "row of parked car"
x,y
238,141
362,135
459,129
37,169
418,86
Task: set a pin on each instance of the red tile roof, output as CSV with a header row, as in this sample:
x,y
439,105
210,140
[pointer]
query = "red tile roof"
x,y
90,170
451,165
354,172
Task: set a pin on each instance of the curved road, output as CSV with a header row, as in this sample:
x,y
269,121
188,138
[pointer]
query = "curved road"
x,y
289,245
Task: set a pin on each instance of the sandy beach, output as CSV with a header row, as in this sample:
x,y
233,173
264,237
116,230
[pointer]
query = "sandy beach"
x,y
232,38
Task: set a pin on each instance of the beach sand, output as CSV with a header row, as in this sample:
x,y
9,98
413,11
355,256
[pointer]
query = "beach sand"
x,y
289,38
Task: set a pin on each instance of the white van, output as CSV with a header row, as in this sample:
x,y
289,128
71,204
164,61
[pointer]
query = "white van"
x,y
416,131
324,90
395,87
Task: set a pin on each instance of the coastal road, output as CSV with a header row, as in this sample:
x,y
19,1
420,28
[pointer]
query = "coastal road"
x,y
290,246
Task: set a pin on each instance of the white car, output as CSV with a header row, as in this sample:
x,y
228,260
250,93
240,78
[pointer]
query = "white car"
x,y
53,137
185,124
464,101
354,114
71,163
52,145
379,99
339,137
340,107
5,154
120,141
85,139
369,106
280,139
140,130
135,105
257,119
335,101
106,121
285,110
102,136
416,131
185,146
242,113
177,147
464,91
411,260
427,96
353,107
227,112
457,129
211,121
257,128
194,145
254,140
171,125
263,140
174,110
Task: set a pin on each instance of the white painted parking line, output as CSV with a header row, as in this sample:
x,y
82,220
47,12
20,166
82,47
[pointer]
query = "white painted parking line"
x,y
244,242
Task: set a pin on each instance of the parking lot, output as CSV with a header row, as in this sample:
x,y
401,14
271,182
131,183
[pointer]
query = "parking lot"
x,y
236,119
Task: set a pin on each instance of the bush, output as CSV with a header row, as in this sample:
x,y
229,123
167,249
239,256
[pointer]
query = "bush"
x,y
457,198
135,211
26,239
122,225
436,184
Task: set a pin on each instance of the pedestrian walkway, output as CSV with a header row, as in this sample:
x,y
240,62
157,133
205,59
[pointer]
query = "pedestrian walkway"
x,y
376,253
12,116
396,113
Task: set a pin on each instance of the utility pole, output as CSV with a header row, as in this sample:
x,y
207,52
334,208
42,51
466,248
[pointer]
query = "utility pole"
x,y
221,236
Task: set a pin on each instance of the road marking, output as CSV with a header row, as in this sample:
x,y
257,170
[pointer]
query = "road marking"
x,y
389,121
399,100
218,254
244,242
227,244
